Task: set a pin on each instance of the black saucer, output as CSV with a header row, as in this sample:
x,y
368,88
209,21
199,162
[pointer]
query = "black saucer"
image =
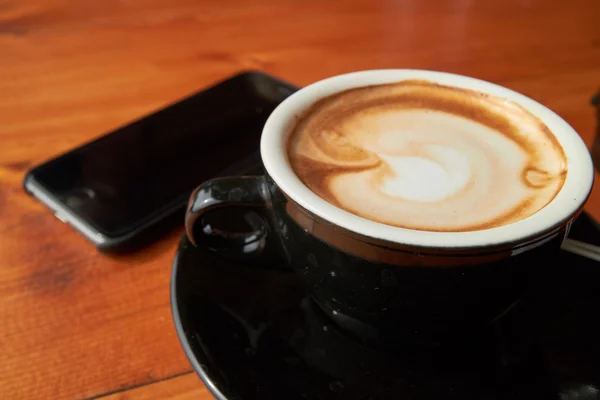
x,y
251,332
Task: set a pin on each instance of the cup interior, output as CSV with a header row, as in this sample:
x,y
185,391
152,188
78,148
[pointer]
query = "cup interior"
x,y
567,203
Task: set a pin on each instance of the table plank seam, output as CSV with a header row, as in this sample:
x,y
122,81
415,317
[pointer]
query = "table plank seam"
x,y
139,385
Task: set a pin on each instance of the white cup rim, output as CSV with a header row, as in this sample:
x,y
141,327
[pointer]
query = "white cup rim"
x,y
568,201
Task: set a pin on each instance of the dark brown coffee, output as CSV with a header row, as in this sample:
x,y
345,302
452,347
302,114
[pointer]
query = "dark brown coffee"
x,y
419,155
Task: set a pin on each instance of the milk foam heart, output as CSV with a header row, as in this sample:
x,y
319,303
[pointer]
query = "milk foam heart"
x,y
423,179
419,155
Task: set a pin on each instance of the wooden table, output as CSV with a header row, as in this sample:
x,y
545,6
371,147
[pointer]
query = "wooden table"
x,y
79,324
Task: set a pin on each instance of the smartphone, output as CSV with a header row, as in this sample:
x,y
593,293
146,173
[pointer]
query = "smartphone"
x,y
125,188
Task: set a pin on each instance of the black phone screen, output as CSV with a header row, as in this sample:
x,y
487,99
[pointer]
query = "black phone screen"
x,y
149,167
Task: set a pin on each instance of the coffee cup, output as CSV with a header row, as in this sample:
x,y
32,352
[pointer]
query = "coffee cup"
x,y
412,203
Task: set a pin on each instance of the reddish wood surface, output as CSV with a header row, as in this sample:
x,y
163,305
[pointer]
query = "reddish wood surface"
x,y
78,324
184,387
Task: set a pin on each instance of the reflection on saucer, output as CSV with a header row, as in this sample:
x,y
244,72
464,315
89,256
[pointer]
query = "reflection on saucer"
x,y
251,332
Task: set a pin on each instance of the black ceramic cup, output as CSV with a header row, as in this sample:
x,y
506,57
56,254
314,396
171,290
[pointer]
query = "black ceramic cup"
x,y
389,283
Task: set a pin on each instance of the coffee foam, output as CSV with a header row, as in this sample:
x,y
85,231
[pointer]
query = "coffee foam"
x,y
423,156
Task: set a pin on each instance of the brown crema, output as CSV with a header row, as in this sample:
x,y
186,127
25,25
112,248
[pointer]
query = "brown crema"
x,y
420,155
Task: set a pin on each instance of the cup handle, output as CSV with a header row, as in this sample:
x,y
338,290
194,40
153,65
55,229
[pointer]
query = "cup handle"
x,y
241,191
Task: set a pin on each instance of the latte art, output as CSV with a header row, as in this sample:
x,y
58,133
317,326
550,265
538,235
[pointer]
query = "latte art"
x,y
422,156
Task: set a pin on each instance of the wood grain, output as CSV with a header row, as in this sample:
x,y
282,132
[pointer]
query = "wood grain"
x,y
80,324
185,387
